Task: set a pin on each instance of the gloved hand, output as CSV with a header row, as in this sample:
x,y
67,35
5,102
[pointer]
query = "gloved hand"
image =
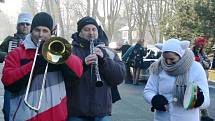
x,y
200,98
158,102
40,65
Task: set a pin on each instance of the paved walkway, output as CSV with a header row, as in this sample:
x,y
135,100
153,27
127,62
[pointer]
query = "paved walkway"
x,y
132,107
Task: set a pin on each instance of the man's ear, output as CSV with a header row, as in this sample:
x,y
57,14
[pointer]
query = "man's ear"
x,y
159,45
185,44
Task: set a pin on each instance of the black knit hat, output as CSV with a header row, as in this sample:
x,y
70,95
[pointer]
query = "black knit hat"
x,y
85,21
42,19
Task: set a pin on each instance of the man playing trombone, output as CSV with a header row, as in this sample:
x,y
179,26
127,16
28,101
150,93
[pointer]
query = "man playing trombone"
x,y
37,85
89,98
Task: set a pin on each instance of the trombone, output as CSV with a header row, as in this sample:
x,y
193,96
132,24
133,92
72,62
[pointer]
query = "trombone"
x,y
56,50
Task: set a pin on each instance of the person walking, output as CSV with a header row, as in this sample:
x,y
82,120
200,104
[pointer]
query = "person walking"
x,y
135,59
170,76
129,77
87,100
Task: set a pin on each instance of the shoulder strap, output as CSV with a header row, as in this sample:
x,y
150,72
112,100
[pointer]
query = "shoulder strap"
x,y
127,53
9,37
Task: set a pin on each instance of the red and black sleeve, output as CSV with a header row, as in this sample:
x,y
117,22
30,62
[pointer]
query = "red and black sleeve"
x,y
15,75
73,68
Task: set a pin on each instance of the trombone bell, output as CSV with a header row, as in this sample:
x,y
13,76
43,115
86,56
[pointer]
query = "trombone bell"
x,y
56,50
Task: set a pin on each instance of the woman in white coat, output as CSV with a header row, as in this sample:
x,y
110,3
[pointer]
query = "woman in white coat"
x,y
169,77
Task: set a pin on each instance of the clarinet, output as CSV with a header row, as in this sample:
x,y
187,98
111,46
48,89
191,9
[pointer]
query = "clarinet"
x,y
99,82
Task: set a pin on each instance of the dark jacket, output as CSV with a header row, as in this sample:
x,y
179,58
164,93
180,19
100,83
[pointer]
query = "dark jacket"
x,y
135,58
5,44
124,48
84,98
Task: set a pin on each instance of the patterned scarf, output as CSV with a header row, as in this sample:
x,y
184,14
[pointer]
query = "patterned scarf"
x,y
180,70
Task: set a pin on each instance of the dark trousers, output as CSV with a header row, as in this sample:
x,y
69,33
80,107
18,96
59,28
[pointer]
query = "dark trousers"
x,y
213,63
128,78
6,106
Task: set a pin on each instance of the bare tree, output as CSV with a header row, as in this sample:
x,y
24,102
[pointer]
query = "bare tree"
x,y
131,17
60,17
159,9
53,7
94,8
79,8
109,15
73,11
62,13
30,5
88,7
142,9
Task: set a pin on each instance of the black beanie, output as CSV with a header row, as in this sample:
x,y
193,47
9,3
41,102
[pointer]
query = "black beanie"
x,y
42,19
85,21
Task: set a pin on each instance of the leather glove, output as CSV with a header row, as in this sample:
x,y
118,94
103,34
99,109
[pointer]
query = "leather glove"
x,y
158,102
40,65
200,98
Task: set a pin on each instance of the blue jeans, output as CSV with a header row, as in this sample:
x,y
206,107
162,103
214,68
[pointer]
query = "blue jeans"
x,y
6,106
105,118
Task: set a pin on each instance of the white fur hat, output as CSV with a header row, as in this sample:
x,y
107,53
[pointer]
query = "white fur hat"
x,y
24,18
174,45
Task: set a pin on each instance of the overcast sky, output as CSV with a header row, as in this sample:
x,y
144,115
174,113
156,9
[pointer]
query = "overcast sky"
x,y
12,8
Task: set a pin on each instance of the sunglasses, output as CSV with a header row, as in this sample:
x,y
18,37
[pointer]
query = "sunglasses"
x,y
27,24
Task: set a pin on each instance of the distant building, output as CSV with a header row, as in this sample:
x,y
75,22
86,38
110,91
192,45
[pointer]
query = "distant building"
x,y
124,31
135,35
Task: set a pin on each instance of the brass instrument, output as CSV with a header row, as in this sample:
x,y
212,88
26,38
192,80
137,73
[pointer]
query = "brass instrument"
x,y
99,82
56,50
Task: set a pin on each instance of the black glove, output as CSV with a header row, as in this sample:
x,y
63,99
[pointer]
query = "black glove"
x,y
40,65
200,98
158,102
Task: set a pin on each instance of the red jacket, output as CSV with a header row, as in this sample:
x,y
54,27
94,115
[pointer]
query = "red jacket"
x,y
15,77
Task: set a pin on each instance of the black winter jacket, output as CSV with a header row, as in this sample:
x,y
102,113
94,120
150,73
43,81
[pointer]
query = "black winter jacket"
x,y
84,98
